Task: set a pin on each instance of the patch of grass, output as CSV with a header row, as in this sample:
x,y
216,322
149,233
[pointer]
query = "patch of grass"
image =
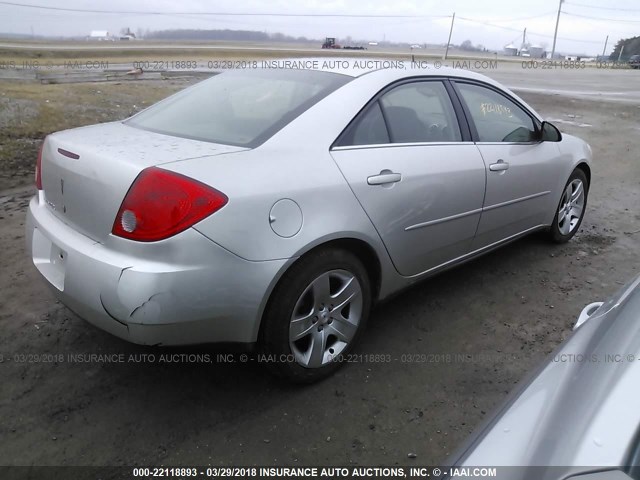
x,y
58,107
114,53
30,111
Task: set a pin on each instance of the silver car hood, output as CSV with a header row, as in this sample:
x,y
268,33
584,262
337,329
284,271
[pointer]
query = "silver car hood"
x,y
86,172
581,407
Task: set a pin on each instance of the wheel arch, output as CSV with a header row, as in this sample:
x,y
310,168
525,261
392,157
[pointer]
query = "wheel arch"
x,y
360,248
586,169
364,252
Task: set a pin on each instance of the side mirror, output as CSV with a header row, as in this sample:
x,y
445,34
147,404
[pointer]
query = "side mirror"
x,y
550,133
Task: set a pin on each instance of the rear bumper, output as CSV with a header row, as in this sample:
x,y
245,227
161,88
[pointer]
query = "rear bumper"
x,y
183,290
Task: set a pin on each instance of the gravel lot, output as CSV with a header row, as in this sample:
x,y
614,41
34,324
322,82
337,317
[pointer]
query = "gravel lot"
x,y
485,323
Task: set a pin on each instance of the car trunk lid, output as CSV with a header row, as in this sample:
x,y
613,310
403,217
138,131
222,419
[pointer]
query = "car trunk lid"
x,y
86,172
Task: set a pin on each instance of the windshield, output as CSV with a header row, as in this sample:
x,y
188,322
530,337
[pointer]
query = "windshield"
x,y
242,108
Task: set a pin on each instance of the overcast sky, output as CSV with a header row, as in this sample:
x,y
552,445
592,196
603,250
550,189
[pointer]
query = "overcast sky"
x,y
492,23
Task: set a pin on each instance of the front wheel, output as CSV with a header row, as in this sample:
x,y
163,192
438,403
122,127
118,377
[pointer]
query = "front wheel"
x,y
570,212
316,315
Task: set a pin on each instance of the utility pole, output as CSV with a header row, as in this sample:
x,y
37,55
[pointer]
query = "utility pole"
x,y
620,54
524,39
555,34
453,18
605,45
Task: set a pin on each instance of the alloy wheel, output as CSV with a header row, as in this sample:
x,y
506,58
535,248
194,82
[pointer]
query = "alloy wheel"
x,y
571,207
325,318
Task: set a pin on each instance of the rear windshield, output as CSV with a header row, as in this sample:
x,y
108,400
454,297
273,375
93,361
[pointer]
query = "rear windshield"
x,y
241,107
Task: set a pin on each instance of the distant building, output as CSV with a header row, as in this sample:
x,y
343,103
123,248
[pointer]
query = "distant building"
x,y
99,35
537,51
510,50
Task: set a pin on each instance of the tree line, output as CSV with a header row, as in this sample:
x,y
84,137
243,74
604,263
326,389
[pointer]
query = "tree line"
x,y
631,47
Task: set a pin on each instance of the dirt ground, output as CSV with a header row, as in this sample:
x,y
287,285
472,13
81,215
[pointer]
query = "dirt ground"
x,y
486,323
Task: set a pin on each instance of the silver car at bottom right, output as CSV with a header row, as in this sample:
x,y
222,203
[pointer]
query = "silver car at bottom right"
x,y
578,415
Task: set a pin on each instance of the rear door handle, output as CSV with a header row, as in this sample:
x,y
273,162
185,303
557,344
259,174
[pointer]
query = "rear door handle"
x,y
385,176
499,167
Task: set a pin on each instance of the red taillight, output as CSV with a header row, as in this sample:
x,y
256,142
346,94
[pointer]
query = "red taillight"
x,y
160,204
39,168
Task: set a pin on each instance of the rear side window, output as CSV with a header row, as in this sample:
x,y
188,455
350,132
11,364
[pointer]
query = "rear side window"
x,y
417,112
242,108
368,129
497,118
420,112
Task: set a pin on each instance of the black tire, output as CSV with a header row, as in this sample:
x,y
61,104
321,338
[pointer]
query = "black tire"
x,y
555,232
274,338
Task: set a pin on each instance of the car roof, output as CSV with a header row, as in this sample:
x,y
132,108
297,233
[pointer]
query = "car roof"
x,y
359,66
384,71
391,70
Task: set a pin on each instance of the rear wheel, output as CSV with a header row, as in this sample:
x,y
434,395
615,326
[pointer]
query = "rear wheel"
x,y
316,315
570,212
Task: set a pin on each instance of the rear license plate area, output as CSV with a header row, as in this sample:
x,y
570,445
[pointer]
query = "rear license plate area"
x,y
49,259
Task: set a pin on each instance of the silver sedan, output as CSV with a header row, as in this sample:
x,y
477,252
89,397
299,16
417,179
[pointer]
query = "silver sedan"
x,y
277,206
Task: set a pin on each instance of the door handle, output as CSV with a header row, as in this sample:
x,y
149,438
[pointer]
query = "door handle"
x,y
385,176
499,167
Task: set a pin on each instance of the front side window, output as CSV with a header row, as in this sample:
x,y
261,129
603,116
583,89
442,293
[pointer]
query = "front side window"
x,y
497,118
241,108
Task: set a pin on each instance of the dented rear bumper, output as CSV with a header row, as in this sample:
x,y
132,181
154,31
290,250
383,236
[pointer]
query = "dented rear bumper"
x,y
183,290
